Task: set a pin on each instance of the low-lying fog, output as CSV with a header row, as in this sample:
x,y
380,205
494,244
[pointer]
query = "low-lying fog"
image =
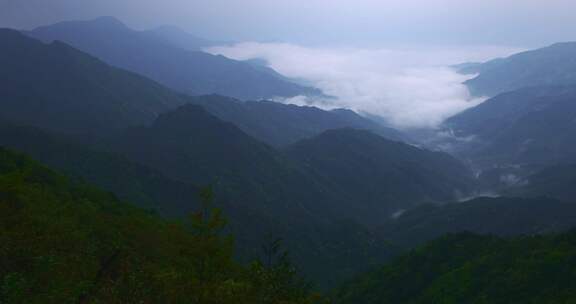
x,y
408,87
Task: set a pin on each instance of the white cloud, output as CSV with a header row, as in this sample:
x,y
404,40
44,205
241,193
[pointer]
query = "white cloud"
x,y
409,88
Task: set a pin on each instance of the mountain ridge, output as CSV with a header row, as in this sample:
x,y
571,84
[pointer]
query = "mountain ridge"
x,y
552,65
148,54
380,175
72,91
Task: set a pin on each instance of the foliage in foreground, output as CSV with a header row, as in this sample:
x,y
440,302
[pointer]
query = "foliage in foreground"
x,y
67,242
467,268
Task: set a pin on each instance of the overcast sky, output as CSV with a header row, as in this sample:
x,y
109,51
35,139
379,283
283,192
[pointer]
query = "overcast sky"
x,y
525,23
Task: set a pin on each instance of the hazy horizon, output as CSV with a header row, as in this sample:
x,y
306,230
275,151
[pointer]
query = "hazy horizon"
x,y
384,58
360,23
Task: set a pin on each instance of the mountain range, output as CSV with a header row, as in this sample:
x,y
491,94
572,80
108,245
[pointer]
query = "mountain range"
x,y
83,117
55,86
282,124
112,108
166,57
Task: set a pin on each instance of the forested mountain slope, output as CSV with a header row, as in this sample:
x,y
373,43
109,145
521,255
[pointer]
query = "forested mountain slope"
x,y
467,268
57,87
64,241
529,127
381,176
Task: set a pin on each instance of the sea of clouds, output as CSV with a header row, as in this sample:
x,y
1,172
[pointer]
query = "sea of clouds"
x,y
408,87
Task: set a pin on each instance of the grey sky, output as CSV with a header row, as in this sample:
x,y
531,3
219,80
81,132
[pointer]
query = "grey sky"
x,y
378,22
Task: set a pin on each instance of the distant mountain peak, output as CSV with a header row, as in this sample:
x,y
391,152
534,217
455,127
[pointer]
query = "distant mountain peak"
x,y
104,23
108,22
107,19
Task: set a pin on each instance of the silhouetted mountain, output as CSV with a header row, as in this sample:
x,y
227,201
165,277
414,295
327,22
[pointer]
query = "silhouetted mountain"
x,y
281,124
499,216
252,219
467,268
211,148
528,127
192,145
380,176
150,189
270,194
58,87
553,65
146,53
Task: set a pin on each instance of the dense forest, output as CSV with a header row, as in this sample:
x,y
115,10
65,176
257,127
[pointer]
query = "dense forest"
x,y
469,268
64,241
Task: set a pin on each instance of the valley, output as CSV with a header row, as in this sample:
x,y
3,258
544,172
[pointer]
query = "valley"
x,y
135,167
